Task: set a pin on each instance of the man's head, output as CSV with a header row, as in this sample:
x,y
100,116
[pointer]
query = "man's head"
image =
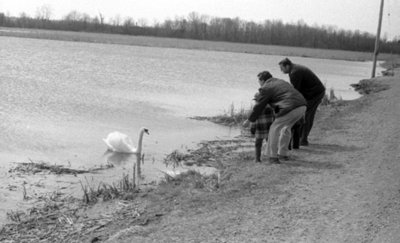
x,y
285,65
263,76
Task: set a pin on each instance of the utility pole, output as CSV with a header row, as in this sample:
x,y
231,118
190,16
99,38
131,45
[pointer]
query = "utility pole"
x,y
377,40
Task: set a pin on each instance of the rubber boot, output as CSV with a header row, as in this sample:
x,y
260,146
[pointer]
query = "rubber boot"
x,y
258,148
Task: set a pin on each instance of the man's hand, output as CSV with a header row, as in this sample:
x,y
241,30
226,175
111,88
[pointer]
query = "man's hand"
x,y
246,123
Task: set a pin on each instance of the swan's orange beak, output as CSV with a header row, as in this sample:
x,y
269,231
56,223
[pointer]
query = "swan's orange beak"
x,y
147,131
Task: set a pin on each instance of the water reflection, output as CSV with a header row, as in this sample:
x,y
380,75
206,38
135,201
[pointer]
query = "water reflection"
x,y
118,159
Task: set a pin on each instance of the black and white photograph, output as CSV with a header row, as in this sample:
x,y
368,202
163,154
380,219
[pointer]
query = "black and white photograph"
x,y
199,121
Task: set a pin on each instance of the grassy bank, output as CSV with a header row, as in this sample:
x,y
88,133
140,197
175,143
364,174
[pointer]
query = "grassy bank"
x,y
190,44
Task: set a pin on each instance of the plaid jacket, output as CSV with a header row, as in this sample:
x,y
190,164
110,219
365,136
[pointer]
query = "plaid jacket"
x,y
260,128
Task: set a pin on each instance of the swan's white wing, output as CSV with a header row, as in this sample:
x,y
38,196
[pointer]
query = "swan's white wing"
x,y
109,146
119,142
113,140
127,142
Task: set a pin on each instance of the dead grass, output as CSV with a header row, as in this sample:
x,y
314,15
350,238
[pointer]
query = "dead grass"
x,y
33,167
62,219
175,159
231,117
192,179
59,218
123,189
206,154
368,86
52,219
330,98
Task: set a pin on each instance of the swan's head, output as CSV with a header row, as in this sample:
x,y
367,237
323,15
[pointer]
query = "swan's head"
x,y
145,130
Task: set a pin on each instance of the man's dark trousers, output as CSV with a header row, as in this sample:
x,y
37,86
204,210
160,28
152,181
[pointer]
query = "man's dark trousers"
x,y
312,106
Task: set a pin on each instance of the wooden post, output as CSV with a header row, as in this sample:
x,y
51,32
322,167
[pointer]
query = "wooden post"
x,y
377,40
134,176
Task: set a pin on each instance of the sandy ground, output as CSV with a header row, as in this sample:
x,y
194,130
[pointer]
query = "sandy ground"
x,y
344,187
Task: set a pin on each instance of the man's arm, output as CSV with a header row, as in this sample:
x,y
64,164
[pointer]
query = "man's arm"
x,y
259,107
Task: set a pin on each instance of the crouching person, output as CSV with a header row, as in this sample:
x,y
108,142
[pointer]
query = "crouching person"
x,y
289,106
260,130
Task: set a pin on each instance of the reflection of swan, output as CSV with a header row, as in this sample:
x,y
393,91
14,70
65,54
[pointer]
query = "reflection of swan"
x,y
121,143
117,158
171,173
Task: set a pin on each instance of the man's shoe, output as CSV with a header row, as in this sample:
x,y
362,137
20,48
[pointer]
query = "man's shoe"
x,y
274,160
304,143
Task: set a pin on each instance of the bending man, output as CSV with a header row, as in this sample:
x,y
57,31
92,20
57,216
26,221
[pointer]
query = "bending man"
x,y
309,85
289,106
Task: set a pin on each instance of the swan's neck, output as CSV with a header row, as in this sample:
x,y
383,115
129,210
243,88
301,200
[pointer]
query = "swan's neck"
x,y
139,149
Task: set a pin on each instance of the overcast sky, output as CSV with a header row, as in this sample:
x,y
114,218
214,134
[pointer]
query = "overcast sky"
x,y
345,14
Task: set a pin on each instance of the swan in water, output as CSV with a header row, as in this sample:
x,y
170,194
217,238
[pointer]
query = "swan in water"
x,y
121,143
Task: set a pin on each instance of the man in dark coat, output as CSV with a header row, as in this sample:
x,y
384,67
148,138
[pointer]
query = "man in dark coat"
x,y
310,86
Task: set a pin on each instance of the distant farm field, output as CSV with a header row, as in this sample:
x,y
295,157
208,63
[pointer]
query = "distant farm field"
x,y
190,44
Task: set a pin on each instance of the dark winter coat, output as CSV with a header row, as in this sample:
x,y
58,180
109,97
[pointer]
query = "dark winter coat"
x,y
306,82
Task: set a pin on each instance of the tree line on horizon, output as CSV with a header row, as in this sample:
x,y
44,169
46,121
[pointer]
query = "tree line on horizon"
x,y
202,27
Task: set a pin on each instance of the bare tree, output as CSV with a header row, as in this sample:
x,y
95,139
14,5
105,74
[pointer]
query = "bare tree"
x,y
116,21
2,19
101,17
73,16
44,12
142,22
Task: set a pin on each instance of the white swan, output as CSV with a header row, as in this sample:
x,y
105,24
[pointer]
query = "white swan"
x,y
121,143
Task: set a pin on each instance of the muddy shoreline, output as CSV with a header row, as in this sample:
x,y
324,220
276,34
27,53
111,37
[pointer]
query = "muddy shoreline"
x,y
140,214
